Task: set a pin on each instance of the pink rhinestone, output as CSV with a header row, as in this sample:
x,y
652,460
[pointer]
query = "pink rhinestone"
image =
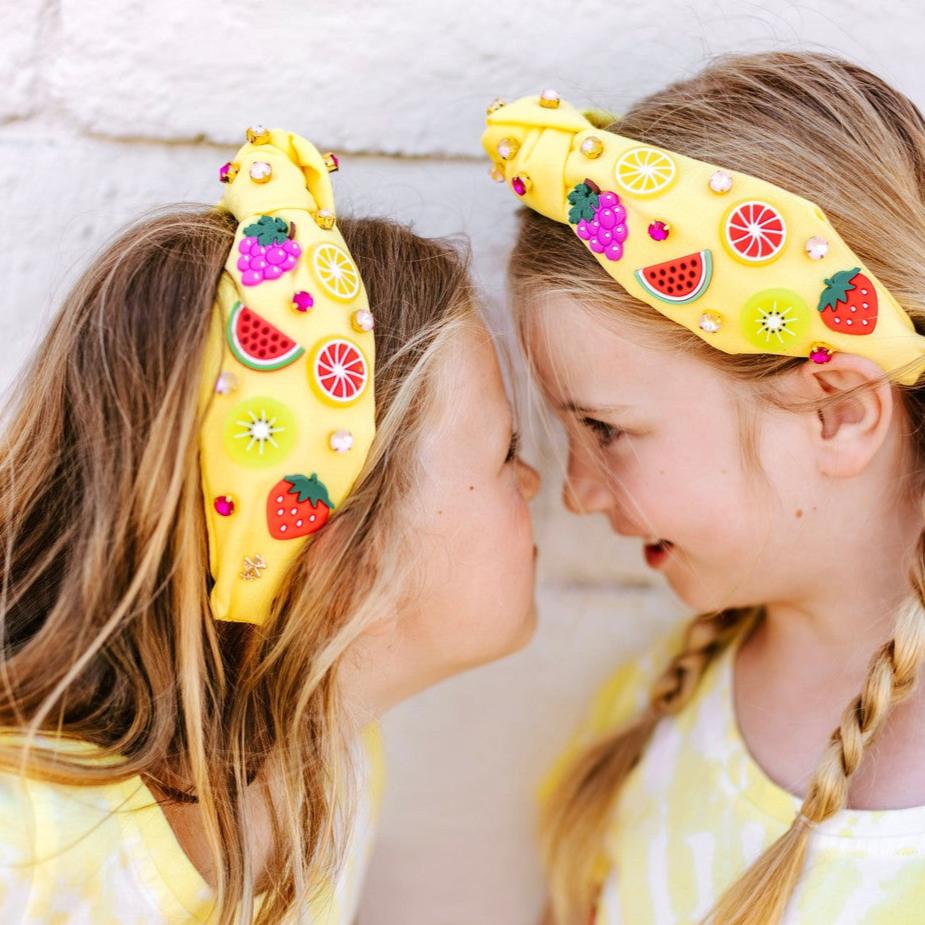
x,y
227,172
518,185
224,505
820,355
302,300
659,231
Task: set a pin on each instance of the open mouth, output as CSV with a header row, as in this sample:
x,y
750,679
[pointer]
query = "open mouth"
x,y
656,553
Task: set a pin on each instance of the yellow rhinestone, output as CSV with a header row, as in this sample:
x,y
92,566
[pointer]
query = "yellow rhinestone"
x,y
592,147
258,135
494,105
496,173
324,218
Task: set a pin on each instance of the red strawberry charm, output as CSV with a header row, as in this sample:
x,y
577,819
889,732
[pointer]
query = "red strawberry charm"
x,y
297,506
848,303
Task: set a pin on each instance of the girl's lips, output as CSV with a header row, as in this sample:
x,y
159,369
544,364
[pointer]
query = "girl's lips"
x,y
657,553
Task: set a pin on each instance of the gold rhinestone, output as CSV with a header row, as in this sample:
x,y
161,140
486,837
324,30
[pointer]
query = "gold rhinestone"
x,y
331,161
324,218
496,173
253,567
258,135
592,147
494,105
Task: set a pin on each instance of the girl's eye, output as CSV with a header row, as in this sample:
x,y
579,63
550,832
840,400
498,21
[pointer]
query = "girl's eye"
x,y
514,448
604,432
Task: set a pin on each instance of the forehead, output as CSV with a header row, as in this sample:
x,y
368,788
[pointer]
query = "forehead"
x,y
584,355
470,395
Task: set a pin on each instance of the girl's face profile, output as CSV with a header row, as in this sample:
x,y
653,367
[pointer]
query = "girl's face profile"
x,y
470,598
655,445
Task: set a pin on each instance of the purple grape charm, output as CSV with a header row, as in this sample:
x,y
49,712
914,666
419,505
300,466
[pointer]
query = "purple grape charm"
x,y
599,218
268,251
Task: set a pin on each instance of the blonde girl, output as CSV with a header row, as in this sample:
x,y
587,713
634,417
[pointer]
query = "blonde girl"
x,y
159,765
765,766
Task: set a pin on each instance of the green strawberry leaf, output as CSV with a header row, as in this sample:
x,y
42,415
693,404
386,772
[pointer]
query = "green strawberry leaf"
x,y
309,489
268,230
837,289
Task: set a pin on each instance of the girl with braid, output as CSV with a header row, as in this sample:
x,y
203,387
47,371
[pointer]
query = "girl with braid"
x,y
721,294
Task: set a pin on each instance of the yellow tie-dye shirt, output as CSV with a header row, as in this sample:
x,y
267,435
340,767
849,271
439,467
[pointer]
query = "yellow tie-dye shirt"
x,y
107,854
698,809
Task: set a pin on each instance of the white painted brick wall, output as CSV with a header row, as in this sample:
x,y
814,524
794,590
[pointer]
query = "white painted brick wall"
x,y
111,107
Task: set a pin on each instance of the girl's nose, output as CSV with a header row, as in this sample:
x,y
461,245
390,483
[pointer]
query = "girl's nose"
x,y
583,492
528,480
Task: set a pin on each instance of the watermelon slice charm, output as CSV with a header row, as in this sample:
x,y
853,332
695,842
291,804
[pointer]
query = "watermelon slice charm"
x,y
258,344
677,281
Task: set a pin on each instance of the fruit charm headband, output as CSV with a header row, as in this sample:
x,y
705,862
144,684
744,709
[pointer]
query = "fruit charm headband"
x,y
744,264
287,394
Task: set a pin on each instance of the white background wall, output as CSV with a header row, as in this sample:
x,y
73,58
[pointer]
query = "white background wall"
x,y
109,107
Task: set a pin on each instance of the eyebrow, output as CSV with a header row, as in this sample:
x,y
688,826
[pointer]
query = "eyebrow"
x,y
575,408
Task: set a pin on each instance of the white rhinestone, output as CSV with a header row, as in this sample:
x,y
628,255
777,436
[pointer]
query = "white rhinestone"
x,y
260,171
226,382
363,320
550,97
720,182
507,148
710,323
817,247
341,441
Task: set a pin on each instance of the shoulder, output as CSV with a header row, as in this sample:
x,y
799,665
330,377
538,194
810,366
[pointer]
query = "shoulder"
x,y
621,697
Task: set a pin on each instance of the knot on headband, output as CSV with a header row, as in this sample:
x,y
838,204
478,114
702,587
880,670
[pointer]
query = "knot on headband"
x,y
287,399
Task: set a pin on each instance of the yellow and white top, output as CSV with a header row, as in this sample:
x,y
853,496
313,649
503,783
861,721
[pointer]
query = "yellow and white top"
x,y
698,809
107,854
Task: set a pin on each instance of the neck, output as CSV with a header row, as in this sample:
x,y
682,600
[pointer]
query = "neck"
x,y
840,623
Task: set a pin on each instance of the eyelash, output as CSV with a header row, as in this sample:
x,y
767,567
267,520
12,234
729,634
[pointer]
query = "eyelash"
x,y
605,433
513,449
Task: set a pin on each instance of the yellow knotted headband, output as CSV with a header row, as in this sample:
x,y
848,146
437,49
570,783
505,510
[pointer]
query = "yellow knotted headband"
x,y
287,391
745,265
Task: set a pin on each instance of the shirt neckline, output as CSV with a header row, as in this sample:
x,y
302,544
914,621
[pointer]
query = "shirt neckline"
x,y
743,775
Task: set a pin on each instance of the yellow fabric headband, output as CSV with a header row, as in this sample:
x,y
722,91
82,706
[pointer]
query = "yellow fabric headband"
x,y
744,264
288,422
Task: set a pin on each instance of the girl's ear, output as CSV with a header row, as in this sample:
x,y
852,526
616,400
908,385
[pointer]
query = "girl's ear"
x,y
848,433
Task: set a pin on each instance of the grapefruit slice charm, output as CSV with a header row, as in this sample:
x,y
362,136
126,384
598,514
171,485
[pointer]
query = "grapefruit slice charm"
x,y
754,232
339,371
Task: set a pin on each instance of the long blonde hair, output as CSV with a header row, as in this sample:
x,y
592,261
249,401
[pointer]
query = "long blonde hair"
x,y
837,134
105,625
